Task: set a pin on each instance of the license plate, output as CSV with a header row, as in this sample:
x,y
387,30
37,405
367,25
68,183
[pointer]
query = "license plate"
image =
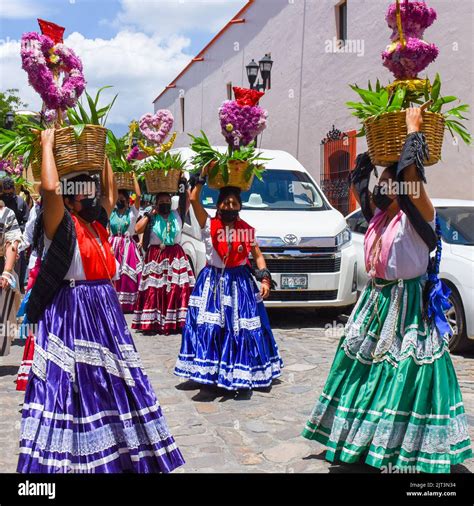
x,y
294,281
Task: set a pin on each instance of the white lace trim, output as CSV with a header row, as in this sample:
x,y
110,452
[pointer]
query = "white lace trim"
x,y
68,465
126,297
424,345
97,440
229,373
205,316
32,406
86,352
155,315
411,437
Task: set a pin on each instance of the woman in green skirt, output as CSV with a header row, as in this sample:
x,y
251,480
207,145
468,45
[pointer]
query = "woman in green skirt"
x,y
392,398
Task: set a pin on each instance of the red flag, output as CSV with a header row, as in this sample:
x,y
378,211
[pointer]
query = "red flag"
x,y
51,30
245,96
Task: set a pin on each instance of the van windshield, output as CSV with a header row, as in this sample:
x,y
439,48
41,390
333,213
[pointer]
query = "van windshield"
x,y
280,190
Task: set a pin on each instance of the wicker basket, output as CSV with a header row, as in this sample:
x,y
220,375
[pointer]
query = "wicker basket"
x,y
386,136
157,181
124,180
72,154
237,170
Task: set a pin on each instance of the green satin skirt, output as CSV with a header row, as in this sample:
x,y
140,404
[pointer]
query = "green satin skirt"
x,y
392,399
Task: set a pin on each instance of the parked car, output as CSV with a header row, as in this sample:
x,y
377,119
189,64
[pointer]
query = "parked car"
x,y
456,268
305,241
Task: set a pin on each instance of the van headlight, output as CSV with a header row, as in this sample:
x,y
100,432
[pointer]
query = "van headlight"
x,y
343,237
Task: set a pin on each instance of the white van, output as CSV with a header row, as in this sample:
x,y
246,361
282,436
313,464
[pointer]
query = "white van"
x,y
305,241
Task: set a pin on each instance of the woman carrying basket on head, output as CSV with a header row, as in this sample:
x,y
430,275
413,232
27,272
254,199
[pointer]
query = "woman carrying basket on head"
x,y
167,277
89,406
122,227
227,340
392,396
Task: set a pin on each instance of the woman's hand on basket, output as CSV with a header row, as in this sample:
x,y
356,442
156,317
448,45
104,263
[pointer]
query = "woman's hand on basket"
x,y
414,119
47,138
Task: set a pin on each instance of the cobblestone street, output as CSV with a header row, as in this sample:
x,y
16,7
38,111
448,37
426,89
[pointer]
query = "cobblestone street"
x,y
218,432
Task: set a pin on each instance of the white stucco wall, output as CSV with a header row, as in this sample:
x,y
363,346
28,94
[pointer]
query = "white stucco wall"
x,y
310,85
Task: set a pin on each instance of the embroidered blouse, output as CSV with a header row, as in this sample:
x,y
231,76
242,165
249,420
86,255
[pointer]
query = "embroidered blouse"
x,y
118,222
93,256
155,240
395,250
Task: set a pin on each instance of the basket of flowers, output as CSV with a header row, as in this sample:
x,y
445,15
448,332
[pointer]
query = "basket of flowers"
x,y
79,146
121,165
241,121
160,169
382,109
162,172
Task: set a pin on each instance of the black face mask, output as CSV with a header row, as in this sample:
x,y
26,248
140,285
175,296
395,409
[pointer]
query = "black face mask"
x,y
228,216
164,208
90,209
120,204
380,198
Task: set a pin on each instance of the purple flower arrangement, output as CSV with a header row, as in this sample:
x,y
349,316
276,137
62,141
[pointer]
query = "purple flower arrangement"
x,y
133,154
241,124
415,16
407,62
43,60
12,167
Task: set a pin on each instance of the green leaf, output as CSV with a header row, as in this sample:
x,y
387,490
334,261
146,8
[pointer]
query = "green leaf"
x,y
436,87
96,101
78,129
108,110
85,117
93,111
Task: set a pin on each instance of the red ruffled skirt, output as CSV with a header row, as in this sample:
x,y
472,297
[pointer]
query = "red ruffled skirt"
x,y
26,361
166,283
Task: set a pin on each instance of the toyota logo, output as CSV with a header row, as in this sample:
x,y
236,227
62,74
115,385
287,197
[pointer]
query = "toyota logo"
x,y
290,239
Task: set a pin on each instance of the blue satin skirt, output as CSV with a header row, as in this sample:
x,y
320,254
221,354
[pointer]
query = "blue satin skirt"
x,y
89,406
227,339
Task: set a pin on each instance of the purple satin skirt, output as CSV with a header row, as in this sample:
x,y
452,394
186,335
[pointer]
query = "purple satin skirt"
x,y
89,406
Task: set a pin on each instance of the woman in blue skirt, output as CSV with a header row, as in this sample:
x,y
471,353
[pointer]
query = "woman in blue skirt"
x,y
89,406
227,340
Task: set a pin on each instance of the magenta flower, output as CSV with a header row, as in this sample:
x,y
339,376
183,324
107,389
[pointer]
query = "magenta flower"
x,y
416,17
134,153
42,59
408,62
240,125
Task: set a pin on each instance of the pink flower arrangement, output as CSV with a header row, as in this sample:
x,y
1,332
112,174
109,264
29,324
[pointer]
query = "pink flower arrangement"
x,y
41,59
407,62
156,127
241,124
12,167
133,154
415,16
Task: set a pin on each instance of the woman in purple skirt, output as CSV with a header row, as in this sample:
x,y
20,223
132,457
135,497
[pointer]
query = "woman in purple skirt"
x,y
89,406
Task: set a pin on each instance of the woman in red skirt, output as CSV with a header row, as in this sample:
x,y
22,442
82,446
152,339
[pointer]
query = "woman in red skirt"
x,y
167,278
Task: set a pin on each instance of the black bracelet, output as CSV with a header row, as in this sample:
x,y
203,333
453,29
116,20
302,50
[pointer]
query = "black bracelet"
x,y
201,180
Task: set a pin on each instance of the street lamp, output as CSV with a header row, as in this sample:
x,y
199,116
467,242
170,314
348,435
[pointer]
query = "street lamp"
x,y
264,66
9,120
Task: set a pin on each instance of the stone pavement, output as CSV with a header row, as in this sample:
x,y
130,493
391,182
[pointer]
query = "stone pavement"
x,y
219,432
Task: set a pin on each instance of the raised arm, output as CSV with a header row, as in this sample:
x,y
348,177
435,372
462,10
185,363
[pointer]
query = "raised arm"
x,y
110,195
412,175
52,196
138,192
195,199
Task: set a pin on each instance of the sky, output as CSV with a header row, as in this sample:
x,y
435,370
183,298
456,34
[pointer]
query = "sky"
x,y
137,46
